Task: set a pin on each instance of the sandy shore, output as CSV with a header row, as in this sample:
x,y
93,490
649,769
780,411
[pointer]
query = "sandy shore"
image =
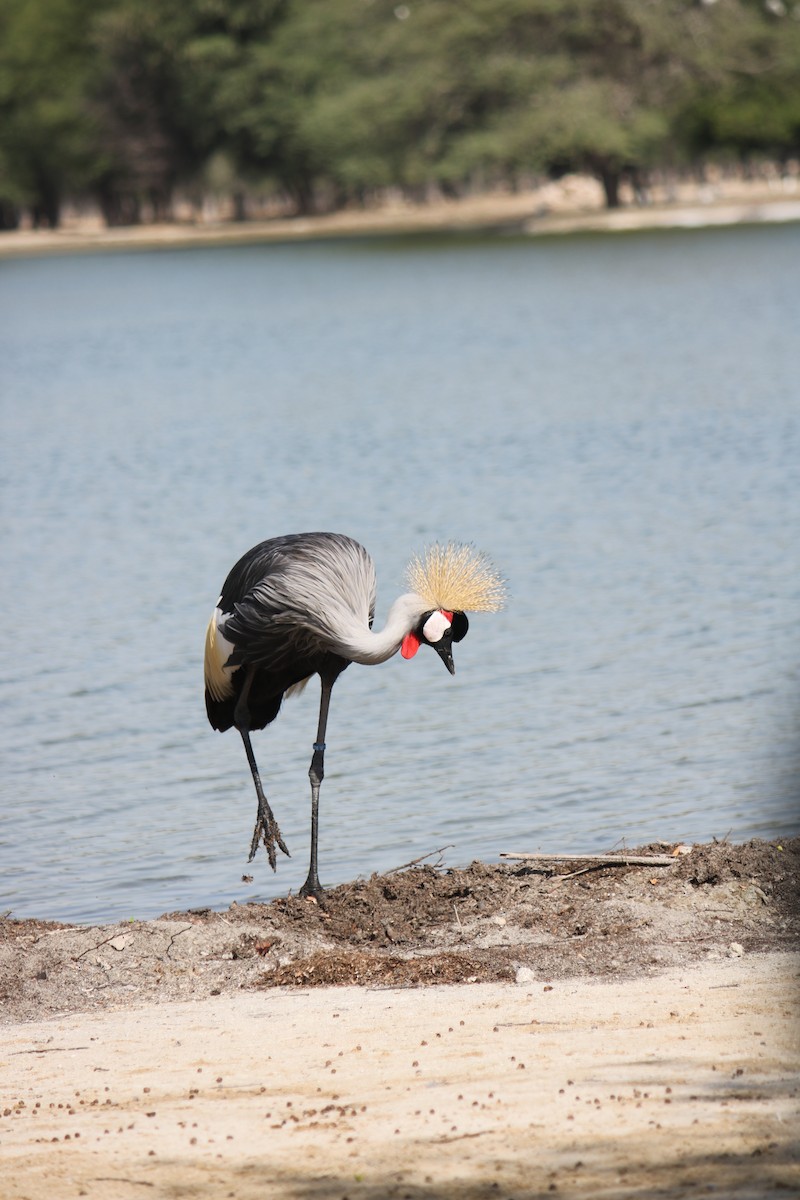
x,y
599,1030
572,205
670,1086
616,1026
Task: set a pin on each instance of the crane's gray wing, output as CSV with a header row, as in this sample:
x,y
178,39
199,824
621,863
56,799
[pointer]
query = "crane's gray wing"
x,y
293,598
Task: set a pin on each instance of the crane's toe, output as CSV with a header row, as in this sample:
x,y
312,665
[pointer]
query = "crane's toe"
x,y
267,830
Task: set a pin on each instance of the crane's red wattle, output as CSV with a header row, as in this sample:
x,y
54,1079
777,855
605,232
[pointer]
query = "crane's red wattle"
x,y
410,645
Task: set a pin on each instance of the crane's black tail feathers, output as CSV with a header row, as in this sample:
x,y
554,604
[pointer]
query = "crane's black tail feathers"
x,y
262,708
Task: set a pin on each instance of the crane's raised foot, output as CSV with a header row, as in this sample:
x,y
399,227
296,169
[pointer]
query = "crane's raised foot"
x,y
267,831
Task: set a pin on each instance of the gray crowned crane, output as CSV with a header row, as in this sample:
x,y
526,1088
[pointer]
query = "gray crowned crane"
x,y
303,605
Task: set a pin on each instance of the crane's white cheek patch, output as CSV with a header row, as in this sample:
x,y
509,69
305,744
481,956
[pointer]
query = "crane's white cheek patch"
x,y
436,625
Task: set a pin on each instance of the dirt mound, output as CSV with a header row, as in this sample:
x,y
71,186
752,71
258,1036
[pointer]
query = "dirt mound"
x,y
423,925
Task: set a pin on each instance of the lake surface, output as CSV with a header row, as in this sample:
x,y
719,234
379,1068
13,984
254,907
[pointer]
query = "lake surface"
x,y
615,420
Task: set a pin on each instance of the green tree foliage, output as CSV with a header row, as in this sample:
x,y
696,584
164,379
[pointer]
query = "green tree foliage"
x,y
47,138
446,90
747,101
328,101
261,84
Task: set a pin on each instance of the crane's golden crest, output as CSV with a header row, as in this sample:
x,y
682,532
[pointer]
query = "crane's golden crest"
x,y
458,578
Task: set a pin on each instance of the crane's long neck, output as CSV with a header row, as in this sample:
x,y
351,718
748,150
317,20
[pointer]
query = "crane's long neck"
x,y
365,646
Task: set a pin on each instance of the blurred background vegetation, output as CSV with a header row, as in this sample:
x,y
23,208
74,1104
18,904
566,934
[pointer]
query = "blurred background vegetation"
x,y
311,105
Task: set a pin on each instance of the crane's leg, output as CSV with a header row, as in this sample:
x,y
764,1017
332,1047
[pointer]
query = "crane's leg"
x,y
266,826
316,774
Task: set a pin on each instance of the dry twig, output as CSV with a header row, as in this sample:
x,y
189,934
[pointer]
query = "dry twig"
x,y
603,860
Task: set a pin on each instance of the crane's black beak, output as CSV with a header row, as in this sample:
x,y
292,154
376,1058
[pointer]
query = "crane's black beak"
x,y
444,649
457,631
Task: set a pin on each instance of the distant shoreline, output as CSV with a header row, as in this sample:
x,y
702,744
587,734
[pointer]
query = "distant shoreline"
x,y
523,214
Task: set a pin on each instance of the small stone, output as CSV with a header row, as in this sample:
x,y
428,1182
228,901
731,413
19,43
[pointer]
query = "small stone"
x,y
524,976
736,950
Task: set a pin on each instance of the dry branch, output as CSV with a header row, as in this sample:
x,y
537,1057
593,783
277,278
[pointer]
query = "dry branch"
x,y
605,860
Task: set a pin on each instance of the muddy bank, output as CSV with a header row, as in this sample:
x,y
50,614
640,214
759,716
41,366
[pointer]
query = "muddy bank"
x,y
423,925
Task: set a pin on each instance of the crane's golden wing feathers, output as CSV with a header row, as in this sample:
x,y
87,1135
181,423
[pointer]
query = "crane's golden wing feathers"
x,y
217,679
458,578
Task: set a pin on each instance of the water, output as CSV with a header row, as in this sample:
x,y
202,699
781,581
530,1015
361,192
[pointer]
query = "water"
x,y
615,420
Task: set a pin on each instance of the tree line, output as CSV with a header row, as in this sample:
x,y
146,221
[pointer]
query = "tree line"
x,y
324,103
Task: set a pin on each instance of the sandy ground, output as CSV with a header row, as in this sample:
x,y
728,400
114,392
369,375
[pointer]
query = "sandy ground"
x,y
597,1031
573,204
676,1086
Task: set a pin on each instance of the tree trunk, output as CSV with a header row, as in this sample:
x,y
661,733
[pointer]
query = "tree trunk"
x,y
9,215
46,209
239,205
302,195
118,207
610,178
